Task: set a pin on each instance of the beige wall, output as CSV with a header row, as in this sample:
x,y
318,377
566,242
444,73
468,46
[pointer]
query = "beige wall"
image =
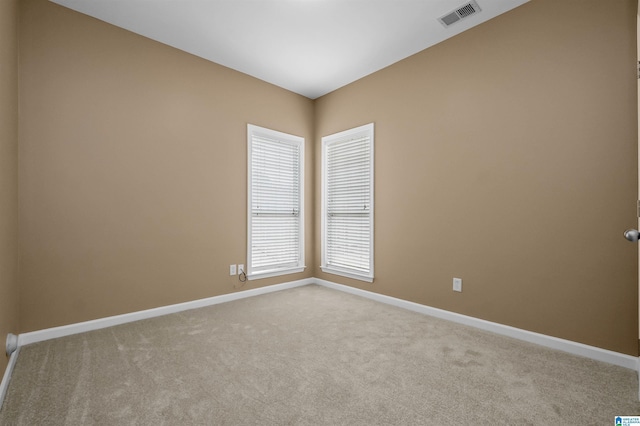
x,y
133,169
507,156
8,172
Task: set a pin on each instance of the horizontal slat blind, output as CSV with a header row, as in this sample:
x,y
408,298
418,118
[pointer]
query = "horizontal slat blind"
x,y
275,204
349,204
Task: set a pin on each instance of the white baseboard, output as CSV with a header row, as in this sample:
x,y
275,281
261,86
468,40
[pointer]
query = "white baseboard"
x,y
81,327
569,346
4,385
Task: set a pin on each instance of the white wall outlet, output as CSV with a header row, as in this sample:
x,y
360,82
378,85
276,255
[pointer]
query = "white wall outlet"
x,y
240,268
457,284
232,269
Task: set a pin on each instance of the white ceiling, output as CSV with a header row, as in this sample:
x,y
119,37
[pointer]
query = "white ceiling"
x,y
310,47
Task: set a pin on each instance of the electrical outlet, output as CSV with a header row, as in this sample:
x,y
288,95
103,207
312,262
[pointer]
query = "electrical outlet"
x,y
457,284
240,268
232,269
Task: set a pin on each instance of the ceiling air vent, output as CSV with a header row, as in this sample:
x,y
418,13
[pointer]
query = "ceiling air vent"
x,y
464,11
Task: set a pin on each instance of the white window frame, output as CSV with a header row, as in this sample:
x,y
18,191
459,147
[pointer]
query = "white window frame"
x,y
284,138
345,137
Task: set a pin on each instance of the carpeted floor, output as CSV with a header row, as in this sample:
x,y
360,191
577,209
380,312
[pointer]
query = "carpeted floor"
x,y
308,356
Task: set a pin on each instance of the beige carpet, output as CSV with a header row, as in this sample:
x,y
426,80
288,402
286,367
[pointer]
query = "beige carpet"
x,y
307,356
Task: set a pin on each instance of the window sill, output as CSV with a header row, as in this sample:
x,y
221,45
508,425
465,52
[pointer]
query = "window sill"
x,y
274,273
347,274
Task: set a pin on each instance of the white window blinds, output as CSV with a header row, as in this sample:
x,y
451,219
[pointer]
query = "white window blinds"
x,y
275,214
348,203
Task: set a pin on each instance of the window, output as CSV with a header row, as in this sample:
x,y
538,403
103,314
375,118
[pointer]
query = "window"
x,y
275,199
347,203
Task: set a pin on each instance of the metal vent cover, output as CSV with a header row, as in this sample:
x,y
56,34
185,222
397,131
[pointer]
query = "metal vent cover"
x,y
464,11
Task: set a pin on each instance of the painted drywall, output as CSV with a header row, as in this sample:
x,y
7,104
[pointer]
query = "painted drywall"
x,y
8,172
133,169
507,156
